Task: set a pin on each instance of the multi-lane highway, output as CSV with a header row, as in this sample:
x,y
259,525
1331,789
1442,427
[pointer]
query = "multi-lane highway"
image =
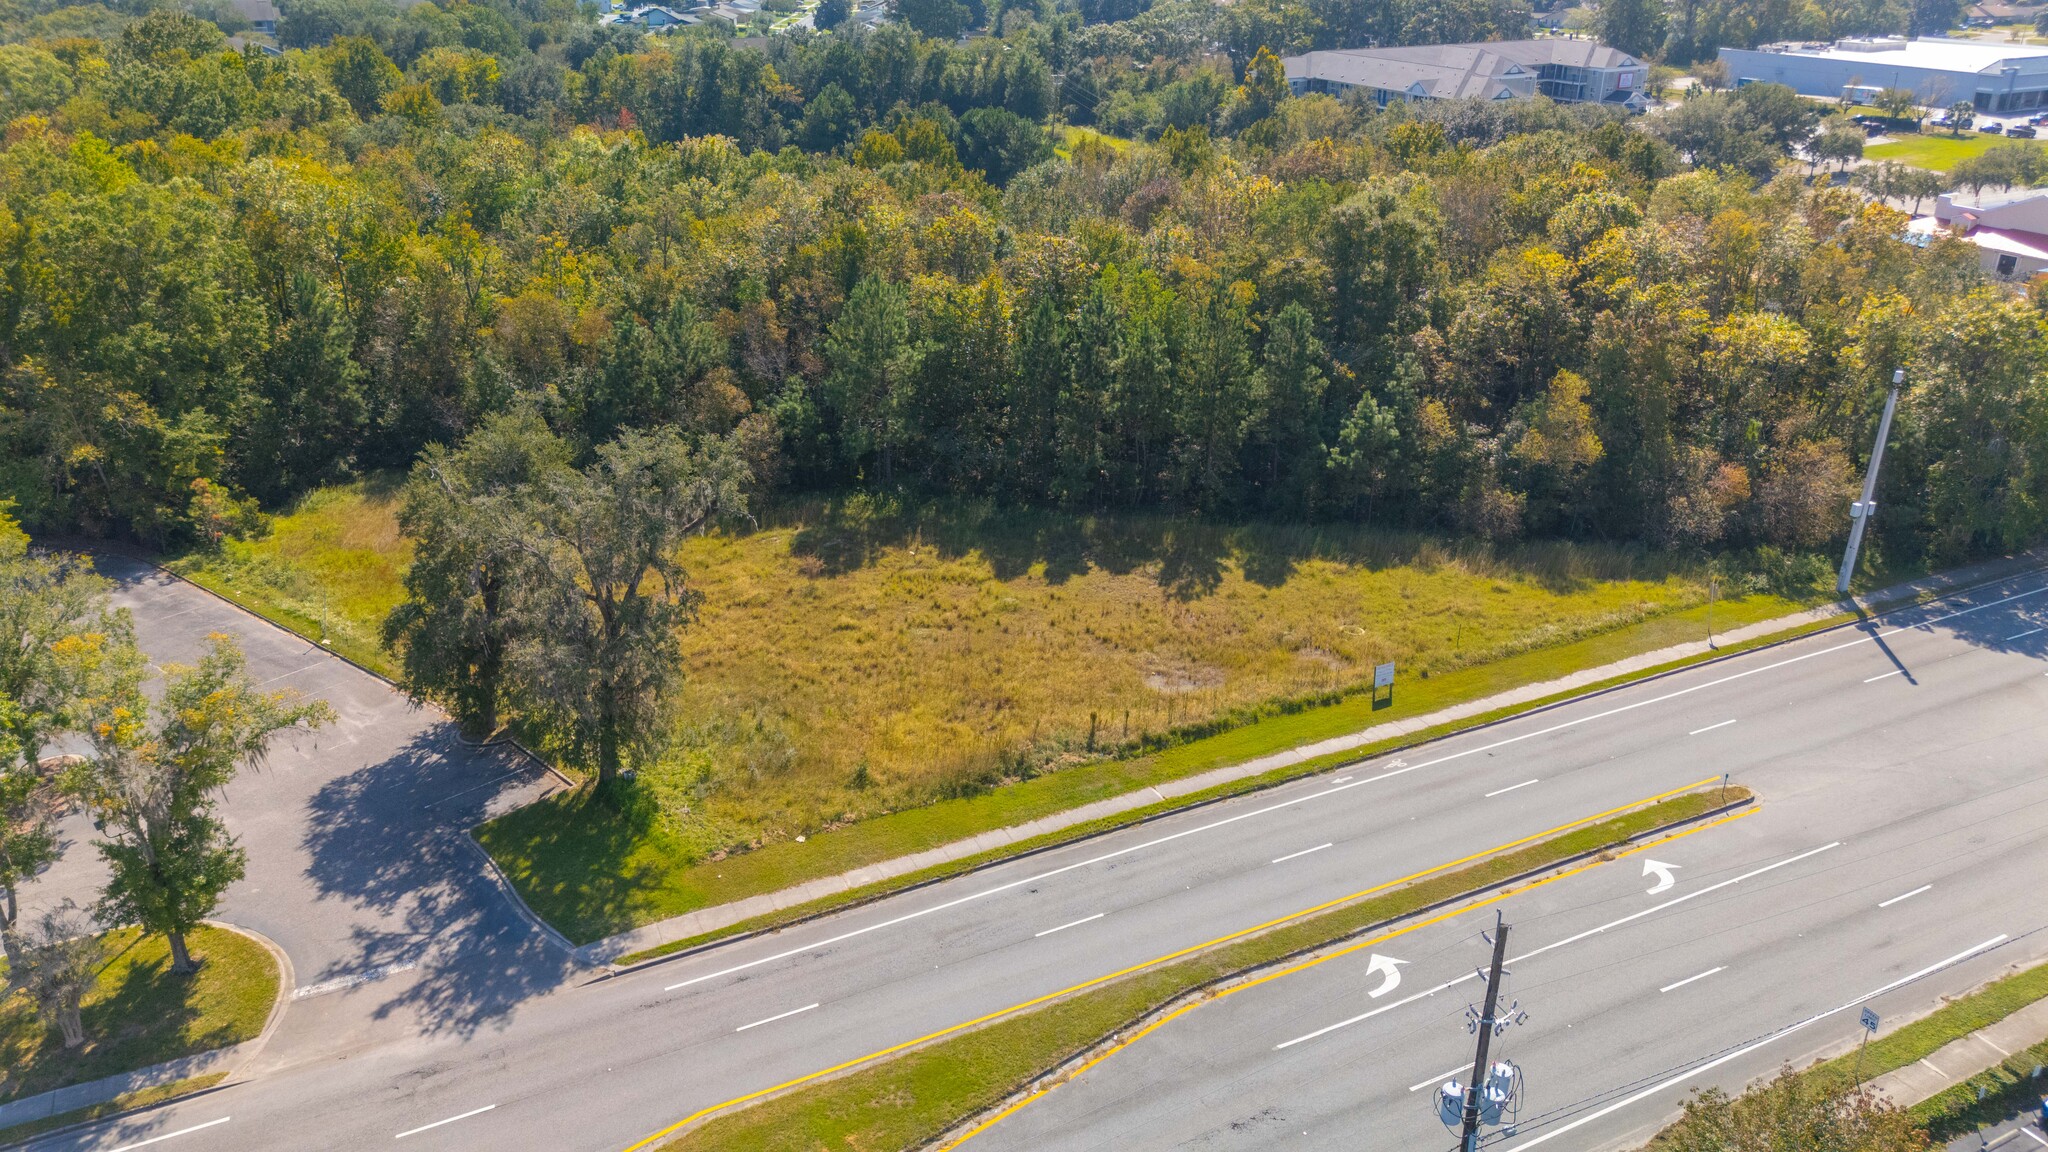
x,y
1901,760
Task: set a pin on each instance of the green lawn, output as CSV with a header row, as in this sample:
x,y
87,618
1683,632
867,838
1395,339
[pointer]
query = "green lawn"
x,y
1940,152
141,1014
906,1099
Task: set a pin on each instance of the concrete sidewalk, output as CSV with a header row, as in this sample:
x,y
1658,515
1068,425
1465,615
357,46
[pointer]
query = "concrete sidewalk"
x,y
1960,1059
724,915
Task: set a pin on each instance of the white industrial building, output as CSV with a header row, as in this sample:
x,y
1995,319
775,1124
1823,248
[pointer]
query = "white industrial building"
x,y
2000,79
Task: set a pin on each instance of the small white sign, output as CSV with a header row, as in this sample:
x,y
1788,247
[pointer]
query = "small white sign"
x,y
1383,675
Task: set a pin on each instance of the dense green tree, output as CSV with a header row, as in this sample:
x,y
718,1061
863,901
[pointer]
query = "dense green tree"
x,y
938,19
1634,26
872,362
596,628
1792,1111
464,510
153,782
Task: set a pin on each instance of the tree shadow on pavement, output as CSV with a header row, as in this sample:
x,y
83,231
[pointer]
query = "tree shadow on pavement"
x,y
388,839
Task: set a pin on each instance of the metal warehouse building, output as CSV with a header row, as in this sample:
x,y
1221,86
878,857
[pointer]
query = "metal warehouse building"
x,y
1997,78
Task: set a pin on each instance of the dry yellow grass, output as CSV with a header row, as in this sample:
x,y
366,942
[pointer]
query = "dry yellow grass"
x,y
854,657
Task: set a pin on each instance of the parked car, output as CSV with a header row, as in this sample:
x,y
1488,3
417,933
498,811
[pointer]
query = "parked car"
x,y
2038,118
2025,131
1989,129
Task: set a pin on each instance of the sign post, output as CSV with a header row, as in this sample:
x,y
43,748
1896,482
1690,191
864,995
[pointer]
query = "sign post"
x,y
1382,677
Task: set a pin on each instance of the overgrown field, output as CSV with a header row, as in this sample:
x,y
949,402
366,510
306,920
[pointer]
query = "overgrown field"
x,y
853,657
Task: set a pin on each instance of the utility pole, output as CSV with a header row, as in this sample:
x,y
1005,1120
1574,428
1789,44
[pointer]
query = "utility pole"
x,y
1470,1141
1861,512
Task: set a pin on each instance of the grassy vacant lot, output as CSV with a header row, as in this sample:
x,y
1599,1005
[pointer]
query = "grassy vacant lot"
x,y
141,1014
907,1098
856,660
1939,151
852,659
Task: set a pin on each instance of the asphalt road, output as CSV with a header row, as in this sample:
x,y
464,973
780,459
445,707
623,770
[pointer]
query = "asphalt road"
x,y
1914,744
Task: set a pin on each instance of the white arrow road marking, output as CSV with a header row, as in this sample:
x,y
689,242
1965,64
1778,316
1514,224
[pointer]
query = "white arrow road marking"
x,y
1387,967
1512,960
1662,872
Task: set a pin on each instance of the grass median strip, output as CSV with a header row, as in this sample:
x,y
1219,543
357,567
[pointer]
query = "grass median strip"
x,y
915,1091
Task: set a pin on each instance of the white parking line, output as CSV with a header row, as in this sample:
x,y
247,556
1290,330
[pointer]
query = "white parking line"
x,y
2022,636
1398,770
2031,1135
1690,979
1903,896
1886,676
450,1120
1710,727
168,1135
1666,1085
1072,924
360,978
1509,788
774,1018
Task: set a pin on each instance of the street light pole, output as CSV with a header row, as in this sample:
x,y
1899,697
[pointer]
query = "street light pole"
x,y
1861,511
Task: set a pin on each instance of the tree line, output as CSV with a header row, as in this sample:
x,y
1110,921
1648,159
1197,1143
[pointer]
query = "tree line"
x,y
866,259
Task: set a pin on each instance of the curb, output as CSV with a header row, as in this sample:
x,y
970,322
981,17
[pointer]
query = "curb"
x,y
238,1056
1859,609
287,982
511,893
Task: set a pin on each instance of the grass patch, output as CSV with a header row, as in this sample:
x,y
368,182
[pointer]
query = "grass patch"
x,y
909,1099
126,1102
141,1013
1072,137
1940,152
591,874
330,569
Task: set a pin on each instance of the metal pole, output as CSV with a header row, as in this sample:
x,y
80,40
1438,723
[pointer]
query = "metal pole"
x,y
1470,1142
1864,509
